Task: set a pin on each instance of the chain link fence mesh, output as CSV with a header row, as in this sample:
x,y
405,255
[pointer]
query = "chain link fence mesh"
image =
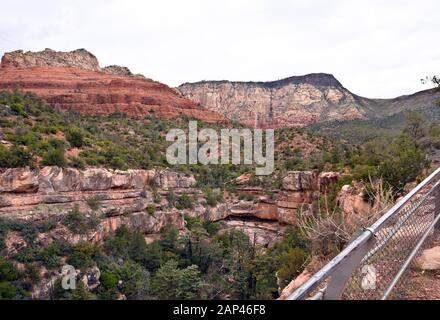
x,y
395,241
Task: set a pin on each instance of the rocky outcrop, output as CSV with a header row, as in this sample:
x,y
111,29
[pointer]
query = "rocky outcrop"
x,y
81,59
167,180
299,190
14,242
124,196
74,80
352,202
300,181
429,260
300,101
117,70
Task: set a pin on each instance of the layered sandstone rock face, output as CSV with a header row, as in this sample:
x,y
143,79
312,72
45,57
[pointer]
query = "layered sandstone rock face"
x,y
124,196
296,101
74,80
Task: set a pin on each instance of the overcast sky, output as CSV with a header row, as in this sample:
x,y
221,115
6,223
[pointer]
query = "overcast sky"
x,y
375,48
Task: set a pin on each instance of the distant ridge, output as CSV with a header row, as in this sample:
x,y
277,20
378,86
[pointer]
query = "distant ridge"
x,y
300,101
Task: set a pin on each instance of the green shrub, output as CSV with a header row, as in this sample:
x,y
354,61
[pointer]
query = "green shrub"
x,y
75,137
7,271
364,172
49,256
78,223
54,157
7,291
292,266
18,108
170,282
369,194
77,163
16,157
109,280
94,202
212,198
82,256
156,197
151,209
184,202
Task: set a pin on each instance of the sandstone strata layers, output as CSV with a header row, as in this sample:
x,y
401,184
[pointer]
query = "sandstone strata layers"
x,y
124,197
74,80
296,101
301,101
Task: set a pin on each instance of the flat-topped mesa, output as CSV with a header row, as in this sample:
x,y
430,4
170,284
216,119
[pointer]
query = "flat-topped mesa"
x,y
74,80
315,79
79,58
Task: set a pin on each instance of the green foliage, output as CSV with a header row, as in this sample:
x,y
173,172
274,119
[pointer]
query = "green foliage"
x,y
54,157
151,209
75,137
156,197
212,198
16,157
7,291
292,266
49,256
170,282
82,256
80,293
94,202
79,223
126,244
77,163
135,279
7,271
184,202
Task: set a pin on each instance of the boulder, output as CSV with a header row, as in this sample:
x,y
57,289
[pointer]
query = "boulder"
x,y
90,278
327,179
299,181
430,259
243,179
350,200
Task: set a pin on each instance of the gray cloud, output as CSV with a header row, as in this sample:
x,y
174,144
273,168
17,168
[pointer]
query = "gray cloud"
x,y
375,48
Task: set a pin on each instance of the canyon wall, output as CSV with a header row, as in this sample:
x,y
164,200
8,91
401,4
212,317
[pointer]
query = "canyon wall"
x,y
297,101
124,198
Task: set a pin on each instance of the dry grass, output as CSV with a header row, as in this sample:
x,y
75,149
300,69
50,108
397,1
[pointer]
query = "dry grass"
x,y
329,231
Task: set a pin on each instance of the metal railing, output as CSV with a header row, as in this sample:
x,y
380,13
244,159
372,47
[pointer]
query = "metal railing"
x,y
375,264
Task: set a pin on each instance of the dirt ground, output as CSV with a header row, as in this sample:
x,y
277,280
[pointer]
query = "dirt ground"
x,y
423,285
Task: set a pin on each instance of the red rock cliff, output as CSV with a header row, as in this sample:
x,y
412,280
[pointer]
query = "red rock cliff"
x,y
74,80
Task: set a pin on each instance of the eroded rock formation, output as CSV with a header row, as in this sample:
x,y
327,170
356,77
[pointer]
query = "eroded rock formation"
x,y
124,196
74,80
296,101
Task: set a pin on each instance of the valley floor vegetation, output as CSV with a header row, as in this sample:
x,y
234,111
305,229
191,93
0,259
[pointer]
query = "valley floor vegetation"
x,y
200,264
